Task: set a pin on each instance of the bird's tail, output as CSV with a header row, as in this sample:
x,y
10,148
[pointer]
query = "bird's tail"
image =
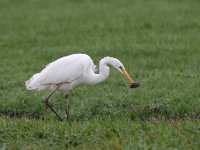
x,y
33,84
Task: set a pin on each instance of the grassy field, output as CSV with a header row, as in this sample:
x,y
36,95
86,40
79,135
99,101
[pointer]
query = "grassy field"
x,y
158,42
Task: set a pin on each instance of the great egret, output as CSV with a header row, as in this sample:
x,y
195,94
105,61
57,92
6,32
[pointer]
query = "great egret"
x,y
71,71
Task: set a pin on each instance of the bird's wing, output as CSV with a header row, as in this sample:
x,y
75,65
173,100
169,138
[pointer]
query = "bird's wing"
x,y
63,70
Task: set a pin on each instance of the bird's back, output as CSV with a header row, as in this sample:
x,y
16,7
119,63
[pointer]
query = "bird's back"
x,y
63,70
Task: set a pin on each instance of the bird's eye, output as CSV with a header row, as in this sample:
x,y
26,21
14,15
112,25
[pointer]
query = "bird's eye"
x,y
121,67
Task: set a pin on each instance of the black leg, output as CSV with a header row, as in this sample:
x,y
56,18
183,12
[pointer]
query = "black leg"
x,y
48,105
51,108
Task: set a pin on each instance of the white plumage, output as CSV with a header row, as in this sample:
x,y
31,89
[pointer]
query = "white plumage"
x,y
71,71
68,72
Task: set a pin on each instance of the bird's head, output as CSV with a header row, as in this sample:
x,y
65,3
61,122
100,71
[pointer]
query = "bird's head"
x,y
120,67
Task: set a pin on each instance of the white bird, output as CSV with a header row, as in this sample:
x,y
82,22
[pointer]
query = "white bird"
x,y
69,72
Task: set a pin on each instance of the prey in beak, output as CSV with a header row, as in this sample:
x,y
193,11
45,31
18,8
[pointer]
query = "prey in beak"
x,y
128,77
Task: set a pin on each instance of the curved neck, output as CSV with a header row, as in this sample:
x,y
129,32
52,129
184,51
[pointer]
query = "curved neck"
x,y
103,72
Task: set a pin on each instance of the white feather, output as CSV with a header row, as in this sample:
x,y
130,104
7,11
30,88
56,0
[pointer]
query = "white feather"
x,y
62,71
71,71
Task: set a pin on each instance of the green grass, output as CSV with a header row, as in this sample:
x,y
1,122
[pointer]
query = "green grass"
x,y
158,42
99,134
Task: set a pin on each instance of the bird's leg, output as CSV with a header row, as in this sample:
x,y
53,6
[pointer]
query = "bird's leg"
x,y
71,94
46,101
67,106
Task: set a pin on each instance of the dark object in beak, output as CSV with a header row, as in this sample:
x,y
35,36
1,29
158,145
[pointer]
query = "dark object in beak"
x,y
134,85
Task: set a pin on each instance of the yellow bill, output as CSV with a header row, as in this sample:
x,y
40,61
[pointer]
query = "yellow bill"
x,y
128,77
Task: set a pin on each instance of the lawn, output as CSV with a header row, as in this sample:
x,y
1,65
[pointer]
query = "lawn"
x,y
158,43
